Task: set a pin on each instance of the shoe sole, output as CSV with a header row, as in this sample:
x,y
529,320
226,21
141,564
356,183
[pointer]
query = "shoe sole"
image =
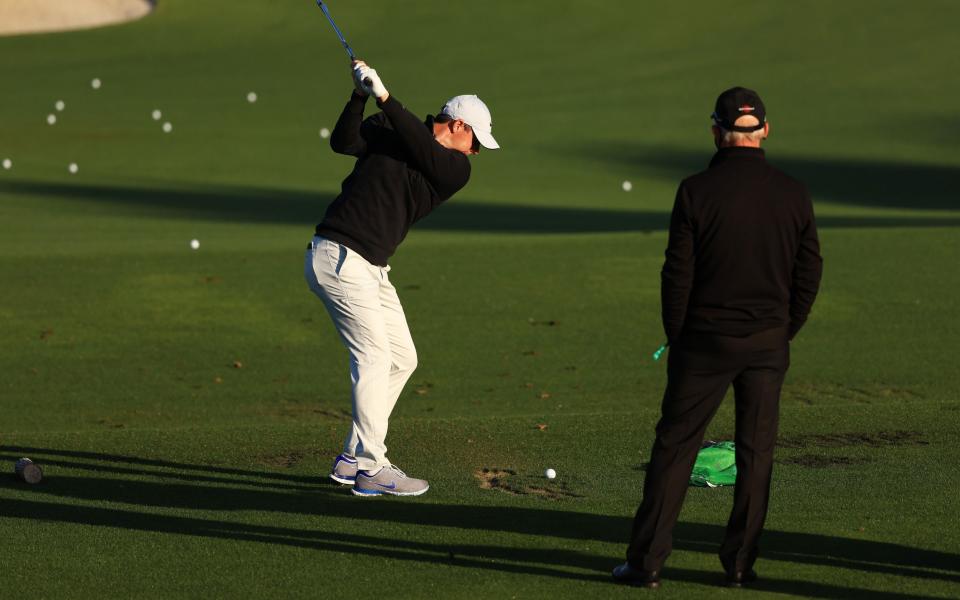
x,y
373,493
342,479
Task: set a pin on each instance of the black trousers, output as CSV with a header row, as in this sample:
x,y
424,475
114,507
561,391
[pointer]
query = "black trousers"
x,y
700,369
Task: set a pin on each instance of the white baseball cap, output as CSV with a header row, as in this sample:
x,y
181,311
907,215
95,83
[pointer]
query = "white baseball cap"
x,y
471,110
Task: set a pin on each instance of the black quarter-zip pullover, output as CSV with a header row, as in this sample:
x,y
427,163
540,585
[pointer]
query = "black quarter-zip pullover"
x,y
401,174
743,254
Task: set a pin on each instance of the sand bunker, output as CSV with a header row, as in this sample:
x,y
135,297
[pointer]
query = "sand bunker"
x,y
36,16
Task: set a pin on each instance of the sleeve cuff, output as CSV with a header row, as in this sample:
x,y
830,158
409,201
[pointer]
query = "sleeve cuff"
x,y
357,102
389,105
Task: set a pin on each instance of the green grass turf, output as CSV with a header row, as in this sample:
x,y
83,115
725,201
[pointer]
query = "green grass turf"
x,y
533,298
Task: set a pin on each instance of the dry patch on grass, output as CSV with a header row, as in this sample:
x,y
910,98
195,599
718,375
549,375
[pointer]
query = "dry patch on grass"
x,y
282,461
817,461
510,482
811,394
877,439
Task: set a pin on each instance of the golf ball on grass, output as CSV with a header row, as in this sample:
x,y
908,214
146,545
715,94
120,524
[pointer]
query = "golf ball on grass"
x,y
550,474
95,83
252,97
156,114
194,244
627,186
73,168
51,119
167,127
324,133
60,105
7,164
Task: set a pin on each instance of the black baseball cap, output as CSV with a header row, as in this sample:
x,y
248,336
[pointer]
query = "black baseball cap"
x,y
735,103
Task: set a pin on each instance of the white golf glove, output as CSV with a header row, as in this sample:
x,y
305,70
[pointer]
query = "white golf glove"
x,y
355,73
370,82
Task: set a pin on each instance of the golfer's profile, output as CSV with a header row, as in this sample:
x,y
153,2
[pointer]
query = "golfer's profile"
x,y
741,274
405,169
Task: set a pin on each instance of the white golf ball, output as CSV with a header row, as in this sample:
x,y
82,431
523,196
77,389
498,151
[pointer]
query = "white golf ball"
x,y
324,133
51,119
73,168
194,244
550,473
627,186
167,127
156,114
60,105
7,164
95,83
252,97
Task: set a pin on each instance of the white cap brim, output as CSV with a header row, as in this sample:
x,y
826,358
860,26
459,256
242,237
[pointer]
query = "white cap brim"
x,y
486,139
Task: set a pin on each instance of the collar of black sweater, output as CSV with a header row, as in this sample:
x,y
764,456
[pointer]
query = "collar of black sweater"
x,y
736,152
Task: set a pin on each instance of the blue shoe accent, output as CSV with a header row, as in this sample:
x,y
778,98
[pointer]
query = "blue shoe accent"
x,y
361,492
344,470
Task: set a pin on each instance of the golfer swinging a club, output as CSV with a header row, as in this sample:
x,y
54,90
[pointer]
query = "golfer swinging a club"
x,y
405,169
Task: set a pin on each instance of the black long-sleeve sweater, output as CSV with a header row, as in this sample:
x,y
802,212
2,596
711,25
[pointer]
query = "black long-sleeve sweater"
x,y
743,254
401,174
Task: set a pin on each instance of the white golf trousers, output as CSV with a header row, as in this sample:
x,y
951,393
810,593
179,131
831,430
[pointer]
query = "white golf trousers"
x,y
369,318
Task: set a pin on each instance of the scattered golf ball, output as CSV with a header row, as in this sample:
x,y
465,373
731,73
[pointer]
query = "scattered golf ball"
x,y
60,105
194,244
73,168
627,186
252,97
95,83
324,133
550,473
51,119
156,114
167,127
7,164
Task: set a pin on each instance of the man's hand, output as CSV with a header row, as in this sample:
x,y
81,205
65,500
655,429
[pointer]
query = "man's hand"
x,y
370,83
355,67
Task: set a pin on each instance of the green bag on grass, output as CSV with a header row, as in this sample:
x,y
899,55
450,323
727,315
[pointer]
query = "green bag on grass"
x,y
716,465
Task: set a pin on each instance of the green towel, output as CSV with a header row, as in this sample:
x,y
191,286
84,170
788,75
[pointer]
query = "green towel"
x,y
716,465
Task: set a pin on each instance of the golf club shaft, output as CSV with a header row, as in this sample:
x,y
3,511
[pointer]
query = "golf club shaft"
x,y
343,40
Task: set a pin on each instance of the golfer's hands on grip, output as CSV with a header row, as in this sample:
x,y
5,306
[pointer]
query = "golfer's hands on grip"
x,y
367,81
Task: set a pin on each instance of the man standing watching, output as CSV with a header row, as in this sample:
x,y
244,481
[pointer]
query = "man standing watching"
x,y
742,270
405,168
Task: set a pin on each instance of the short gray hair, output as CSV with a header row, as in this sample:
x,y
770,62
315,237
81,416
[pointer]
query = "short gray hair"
x,y
739,136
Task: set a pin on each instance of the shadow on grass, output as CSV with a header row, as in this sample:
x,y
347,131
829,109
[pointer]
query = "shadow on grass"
x,y
147,462
245,490
258,205
872,183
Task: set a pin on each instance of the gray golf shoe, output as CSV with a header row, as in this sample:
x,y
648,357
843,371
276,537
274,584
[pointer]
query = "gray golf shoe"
x,y
344,469
388,480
